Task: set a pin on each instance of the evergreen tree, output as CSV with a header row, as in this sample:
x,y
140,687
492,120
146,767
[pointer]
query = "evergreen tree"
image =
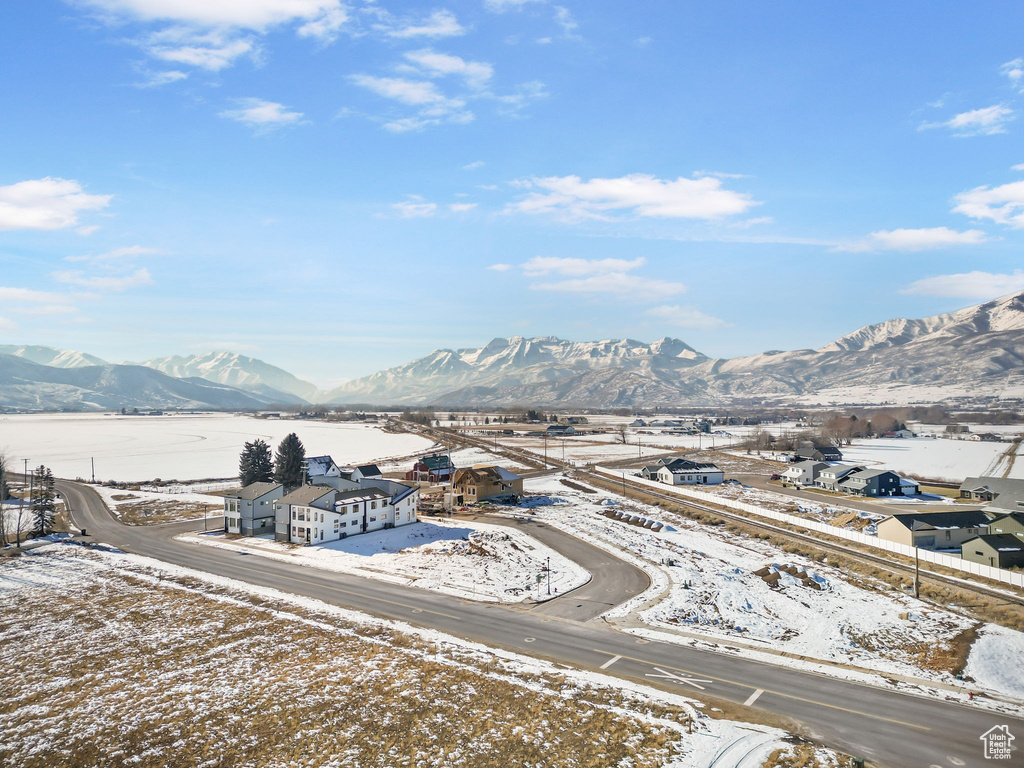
x,y
288,463
43,500
254,464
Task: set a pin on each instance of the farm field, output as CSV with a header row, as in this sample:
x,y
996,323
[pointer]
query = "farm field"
x,y
182,447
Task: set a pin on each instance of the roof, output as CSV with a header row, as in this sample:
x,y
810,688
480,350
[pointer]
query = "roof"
x,y
837,470
867,474
806,462
1001,515
487,471
306,494
1001,542
254,491
361,494
319,465
436,461
967,518
685,465
368,469
1009,492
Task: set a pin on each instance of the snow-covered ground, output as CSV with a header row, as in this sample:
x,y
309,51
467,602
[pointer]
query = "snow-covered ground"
x,y
933,458
995,660
122,655
183,447
712,589
136,506
460,557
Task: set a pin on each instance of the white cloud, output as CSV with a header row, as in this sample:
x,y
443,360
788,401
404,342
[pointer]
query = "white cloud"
x,y
156,79
912,240
642,194
262,115
500,267
474,165
1018,167
47,310
461,207
564,19
1003,204
986,121
48,203
525,94
29,296
438,24
500,6
107,282
572,267
686,317
968,285
128,252
475,73
414,92
415,208
213,34
629,286
7,325
1014,70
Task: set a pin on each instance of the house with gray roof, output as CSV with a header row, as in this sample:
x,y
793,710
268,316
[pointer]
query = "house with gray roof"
x,y
830,477
803,473
1000,492
934,530
303,502
872,482
1010,522
250,511
998,550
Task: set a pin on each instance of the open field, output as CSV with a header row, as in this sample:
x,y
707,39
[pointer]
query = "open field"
x,y
182,447
122,661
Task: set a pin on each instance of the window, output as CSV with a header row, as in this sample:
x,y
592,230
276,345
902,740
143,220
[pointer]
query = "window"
x,y
373,519
947,535
342,524
373,505
335,526
321,517
355,508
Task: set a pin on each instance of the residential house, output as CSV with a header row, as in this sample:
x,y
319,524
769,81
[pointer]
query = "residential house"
x,y
365,471
302,504
1000,492
872,482
560,430
686,472
484,481
909,487
814,452
985,437
575,421
957,429
899,433
999,550
1011,523
934,530
436,468
831,475
650,472
803,473
250,511
638,423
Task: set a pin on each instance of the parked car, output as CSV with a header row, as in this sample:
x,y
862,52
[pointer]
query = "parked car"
x,y
775,476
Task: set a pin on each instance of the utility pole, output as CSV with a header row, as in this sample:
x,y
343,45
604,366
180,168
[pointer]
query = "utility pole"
x,y
549,575
92,460
917,560
545,450
623,483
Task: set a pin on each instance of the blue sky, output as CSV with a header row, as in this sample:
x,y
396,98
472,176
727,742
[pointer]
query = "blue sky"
x,y
337,186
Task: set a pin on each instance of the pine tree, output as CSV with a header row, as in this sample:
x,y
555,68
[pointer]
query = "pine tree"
x,y
289,462
43,501
254,464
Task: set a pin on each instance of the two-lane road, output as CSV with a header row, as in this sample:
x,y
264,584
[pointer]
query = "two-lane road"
x,y
888,728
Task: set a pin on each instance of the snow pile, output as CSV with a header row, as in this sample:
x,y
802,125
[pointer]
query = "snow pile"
x,y
995,660
462,558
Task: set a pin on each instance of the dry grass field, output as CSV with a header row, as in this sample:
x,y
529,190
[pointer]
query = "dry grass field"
x,y
109,662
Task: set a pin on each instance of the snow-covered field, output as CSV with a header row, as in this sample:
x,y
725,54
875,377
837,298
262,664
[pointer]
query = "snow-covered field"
x,y
140,507
111,657
713,590
185,447
933,458
465,558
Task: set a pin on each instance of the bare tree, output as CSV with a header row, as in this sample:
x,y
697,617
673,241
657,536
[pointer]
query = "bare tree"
x,y
622,434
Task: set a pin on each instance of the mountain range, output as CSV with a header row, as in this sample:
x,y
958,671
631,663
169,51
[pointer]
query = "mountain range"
x,y
978,351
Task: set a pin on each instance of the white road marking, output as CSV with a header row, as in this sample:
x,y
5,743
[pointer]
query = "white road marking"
x,y
752,698
694,681
529,639
955,760
610,661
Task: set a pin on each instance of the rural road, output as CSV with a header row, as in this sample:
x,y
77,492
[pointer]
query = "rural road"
x,y
888,728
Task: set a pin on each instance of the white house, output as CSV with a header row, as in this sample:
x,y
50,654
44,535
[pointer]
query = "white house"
x,y
686,472
323,514
831,475
803,472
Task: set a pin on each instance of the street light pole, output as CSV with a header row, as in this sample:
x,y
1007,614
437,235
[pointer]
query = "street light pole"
x,y
549,575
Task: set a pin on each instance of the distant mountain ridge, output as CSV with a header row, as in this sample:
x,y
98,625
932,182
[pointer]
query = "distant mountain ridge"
x,y
29,386
974,351
235,370
978,350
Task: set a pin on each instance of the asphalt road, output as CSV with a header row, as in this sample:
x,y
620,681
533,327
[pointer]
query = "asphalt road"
x,y
888,728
